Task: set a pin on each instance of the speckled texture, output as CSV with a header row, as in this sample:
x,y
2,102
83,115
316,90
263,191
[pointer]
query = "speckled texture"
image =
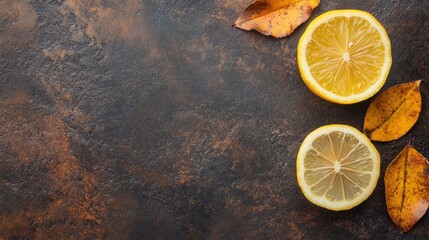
x,y
407,188
158,120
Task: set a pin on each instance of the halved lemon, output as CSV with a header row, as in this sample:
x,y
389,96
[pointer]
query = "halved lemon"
x,y
337,167
344,56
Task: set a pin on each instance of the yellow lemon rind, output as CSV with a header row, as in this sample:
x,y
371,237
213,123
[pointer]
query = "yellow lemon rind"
x,y
305,69
323,202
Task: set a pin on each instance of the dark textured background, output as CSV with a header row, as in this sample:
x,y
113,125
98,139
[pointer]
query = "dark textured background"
x,y
156,119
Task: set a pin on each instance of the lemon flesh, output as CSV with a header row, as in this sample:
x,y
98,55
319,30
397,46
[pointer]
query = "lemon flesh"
x,y
344,56
337,167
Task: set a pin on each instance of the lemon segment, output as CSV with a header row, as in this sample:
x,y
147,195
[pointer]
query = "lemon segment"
x,y
344,56
337,167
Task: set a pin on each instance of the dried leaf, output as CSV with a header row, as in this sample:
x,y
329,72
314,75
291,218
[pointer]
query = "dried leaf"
x,y
277,18
407,188
394,112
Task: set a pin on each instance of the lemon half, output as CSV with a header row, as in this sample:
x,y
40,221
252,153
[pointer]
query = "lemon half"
x,y
337,167
344,56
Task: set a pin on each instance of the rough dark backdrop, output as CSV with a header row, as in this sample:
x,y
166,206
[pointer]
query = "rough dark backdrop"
x,y
155,119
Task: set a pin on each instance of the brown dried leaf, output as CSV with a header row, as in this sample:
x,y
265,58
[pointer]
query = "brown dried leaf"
x,y
407,188
394,112
277,18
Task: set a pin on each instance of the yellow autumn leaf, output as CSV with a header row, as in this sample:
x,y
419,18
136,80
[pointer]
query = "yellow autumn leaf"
x,y
407,188
394,112
277,18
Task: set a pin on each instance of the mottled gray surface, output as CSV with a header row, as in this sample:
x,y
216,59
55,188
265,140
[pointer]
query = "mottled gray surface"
x,y
157,120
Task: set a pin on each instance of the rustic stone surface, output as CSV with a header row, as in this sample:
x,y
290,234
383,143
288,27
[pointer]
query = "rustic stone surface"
x,y
158,120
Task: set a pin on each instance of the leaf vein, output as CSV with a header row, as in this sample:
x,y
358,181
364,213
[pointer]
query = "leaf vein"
x,y
404,180
390,116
